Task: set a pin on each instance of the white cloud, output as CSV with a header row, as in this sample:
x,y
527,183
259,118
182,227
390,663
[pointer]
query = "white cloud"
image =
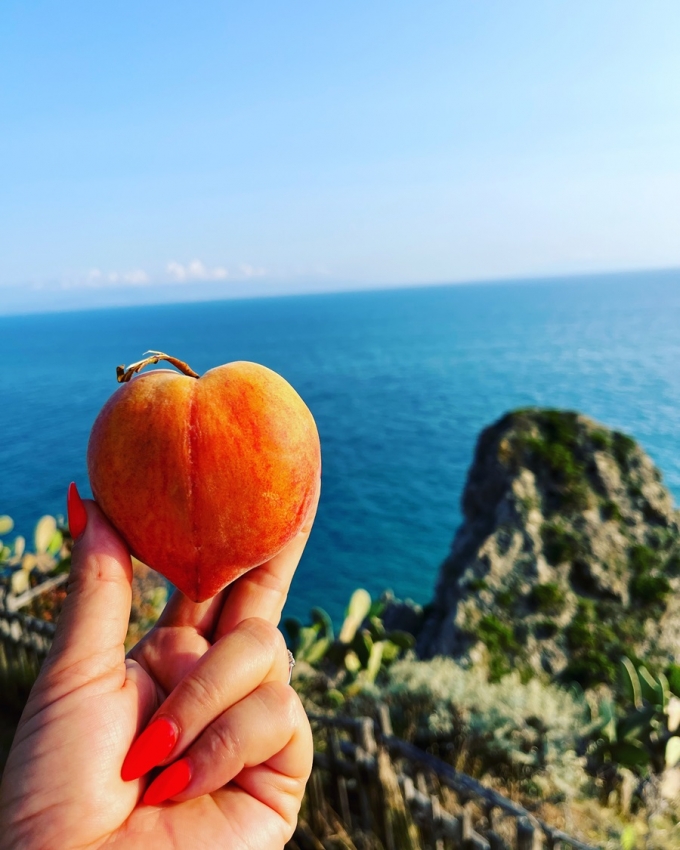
x,y
195,270
136,276
251,271
96,278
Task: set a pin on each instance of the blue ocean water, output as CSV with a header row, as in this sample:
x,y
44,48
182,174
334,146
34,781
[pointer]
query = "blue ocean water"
x,y
400,383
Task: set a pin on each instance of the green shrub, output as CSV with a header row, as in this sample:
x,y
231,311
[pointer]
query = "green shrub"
x,y
592,667
648,586
511,729
622,448
497,635
506,598
580,635
548,598
559,426
610,510
650,589
559,545
672,565
600,440
501,643
555,454
594,644
642,559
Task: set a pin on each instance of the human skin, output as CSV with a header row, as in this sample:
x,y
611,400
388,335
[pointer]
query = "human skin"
x,y
218,669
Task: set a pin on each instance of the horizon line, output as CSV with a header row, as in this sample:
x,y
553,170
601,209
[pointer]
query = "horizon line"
x,y
204,295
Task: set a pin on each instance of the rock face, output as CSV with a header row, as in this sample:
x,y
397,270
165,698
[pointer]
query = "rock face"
x,y
568,556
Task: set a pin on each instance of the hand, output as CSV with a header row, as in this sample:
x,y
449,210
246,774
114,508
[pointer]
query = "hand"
x,y
216,675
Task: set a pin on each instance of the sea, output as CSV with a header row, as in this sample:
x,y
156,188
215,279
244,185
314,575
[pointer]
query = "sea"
x,y
400,382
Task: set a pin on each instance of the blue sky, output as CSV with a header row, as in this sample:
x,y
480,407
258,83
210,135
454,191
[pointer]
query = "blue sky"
x,y
170,150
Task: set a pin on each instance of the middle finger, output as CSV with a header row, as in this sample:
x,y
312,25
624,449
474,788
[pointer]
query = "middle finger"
x,y
253,653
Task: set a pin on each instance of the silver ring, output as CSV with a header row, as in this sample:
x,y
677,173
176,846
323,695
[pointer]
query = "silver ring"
x,y
291,664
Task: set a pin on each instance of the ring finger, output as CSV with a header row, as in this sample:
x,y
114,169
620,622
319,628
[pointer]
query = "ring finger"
x,y
267,729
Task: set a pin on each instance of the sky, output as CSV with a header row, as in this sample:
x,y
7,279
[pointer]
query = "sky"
x,y
171,150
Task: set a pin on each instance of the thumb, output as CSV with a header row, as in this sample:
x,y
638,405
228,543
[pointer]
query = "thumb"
x,y
89,641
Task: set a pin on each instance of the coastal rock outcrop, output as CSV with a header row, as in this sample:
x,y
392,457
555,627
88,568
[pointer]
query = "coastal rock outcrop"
x,y
568,557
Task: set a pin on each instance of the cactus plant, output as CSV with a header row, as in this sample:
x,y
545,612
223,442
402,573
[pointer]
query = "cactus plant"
x,y
357,611
630,682
362,649
672,755
641,736
21,569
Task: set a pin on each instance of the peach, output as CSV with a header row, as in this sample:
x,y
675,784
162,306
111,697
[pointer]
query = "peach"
x,y
204,477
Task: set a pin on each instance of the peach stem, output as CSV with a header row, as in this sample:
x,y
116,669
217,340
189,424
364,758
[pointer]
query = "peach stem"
x,y
123,375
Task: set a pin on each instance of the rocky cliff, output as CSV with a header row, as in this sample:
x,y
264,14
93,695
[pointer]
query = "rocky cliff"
x,y
568,556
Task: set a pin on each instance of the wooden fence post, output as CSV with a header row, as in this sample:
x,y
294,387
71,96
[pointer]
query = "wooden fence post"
x,y
400,831
317,803
528,837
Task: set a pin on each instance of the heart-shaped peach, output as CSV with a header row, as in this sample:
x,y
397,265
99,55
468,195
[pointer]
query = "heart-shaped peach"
x,y
204,477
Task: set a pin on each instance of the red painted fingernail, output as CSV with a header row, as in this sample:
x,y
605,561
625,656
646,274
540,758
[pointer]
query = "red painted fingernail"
x,y
77,515
172,781
153,745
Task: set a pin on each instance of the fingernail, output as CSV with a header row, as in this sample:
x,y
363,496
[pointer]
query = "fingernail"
x,y
171,782
77,515
153,745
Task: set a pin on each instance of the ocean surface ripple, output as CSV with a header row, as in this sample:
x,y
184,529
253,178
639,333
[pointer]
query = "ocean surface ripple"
x,y
400,383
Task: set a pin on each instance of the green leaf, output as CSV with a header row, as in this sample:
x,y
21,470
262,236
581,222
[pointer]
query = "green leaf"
x,y
630,682
352,663
335,697
375,661
635,723
648,686
376,628
19,546
628,838
308,637
664,691
674,679
320,617
404,640
293,626
607,720
317,651
65,565
673,711
55,543
629,754
390,651
19,582
44,532
673,751
362,645
6,524
357,611
377,608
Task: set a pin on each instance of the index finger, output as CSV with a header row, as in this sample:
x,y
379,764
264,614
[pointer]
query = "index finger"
x,y
262,591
